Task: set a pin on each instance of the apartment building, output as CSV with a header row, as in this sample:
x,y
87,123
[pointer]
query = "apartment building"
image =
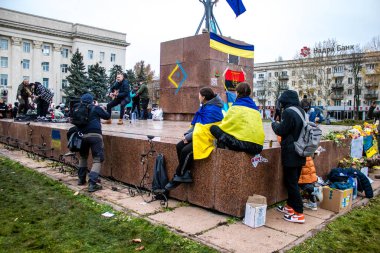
x,y
328,82
39,49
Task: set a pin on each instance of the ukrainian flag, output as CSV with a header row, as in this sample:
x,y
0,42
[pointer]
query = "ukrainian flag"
x,y
220,44
243,121
204,118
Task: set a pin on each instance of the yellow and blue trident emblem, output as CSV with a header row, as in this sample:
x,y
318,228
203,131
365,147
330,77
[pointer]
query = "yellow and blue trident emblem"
x,y
178,86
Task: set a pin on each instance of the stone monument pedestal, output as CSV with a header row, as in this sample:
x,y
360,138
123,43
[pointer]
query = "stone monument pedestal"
x,y
186,65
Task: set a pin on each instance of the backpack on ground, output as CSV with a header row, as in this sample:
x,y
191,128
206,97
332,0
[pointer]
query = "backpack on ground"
x,y
160,177
309,138
81,114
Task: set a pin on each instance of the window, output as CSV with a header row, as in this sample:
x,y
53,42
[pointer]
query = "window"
x,y
269,93
46,50
338,69
320,81
370,66
101,57
309,81
349,92
276,74
3,44
349,102
4,62
359,92
65,52
261,75
113,57
268,102
337,102
319,93
25,64
284,73
319,103
26,47
90,54
350,80
26,78
293,83
231,59
293,73
64,68
45,82
64,84
328,70
254,75
339,80
45,66
359,80
270,74
4,79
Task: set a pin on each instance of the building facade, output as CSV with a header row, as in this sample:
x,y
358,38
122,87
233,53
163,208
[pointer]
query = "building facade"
x,y
39,49
328,82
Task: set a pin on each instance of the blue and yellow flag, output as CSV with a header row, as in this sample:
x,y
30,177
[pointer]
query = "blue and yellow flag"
x,y
220,44
204,118
243,121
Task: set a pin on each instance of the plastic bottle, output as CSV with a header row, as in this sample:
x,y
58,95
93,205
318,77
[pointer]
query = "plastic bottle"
x,y
133,117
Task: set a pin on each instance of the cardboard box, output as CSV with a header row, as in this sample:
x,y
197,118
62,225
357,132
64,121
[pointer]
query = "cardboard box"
x,y
336,200
255,211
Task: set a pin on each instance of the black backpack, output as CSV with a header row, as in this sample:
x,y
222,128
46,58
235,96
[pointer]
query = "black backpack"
x,y
81,114
160,177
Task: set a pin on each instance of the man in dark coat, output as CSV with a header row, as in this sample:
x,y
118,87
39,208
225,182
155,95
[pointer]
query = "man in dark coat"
x,y
92,139
119,91
289,129
43,98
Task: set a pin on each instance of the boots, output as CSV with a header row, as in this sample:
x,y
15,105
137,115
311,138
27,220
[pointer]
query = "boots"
x,y
185,178
171,185
82,172
108,121
93,179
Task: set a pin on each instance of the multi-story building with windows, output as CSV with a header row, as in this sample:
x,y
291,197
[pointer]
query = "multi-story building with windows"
x,y
40,49
328,82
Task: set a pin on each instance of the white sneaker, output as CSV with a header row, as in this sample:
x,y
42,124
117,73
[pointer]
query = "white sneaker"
x,y
310,205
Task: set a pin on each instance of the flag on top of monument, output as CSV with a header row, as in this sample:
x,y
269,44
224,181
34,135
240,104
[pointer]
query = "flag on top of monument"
x,y
237,6
219,43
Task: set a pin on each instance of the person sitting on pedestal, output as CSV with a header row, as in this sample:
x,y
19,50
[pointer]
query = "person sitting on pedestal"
x,y
242,127
198,141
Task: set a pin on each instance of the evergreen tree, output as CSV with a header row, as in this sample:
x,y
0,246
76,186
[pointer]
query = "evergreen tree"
x,y
78,82
131,77
113,72
98,82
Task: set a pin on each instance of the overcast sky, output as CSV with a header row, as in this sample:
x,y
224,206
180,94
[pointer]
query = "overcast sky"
x,y
275,27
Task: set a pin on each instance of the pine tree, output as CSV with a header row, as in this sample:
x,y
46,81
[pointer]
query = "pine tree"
x,y
131,77
98,82
78,82
113,72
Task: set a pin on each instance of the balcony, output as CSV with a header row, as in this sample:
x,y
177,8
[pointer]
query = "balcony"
x,y
371,95
261,98
338,74
337,86
371,85
283,77
336,96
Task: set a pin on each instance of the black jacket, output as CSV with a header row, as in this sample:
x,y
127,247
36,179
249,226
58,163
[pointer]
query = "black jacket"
x,y
289,129
374,115
123,88
94,126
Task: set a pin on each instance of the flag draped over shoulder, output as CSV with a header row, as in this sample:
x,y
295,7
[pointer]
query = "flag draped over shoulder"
x,y
237,6
204,118
219,43
243,121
